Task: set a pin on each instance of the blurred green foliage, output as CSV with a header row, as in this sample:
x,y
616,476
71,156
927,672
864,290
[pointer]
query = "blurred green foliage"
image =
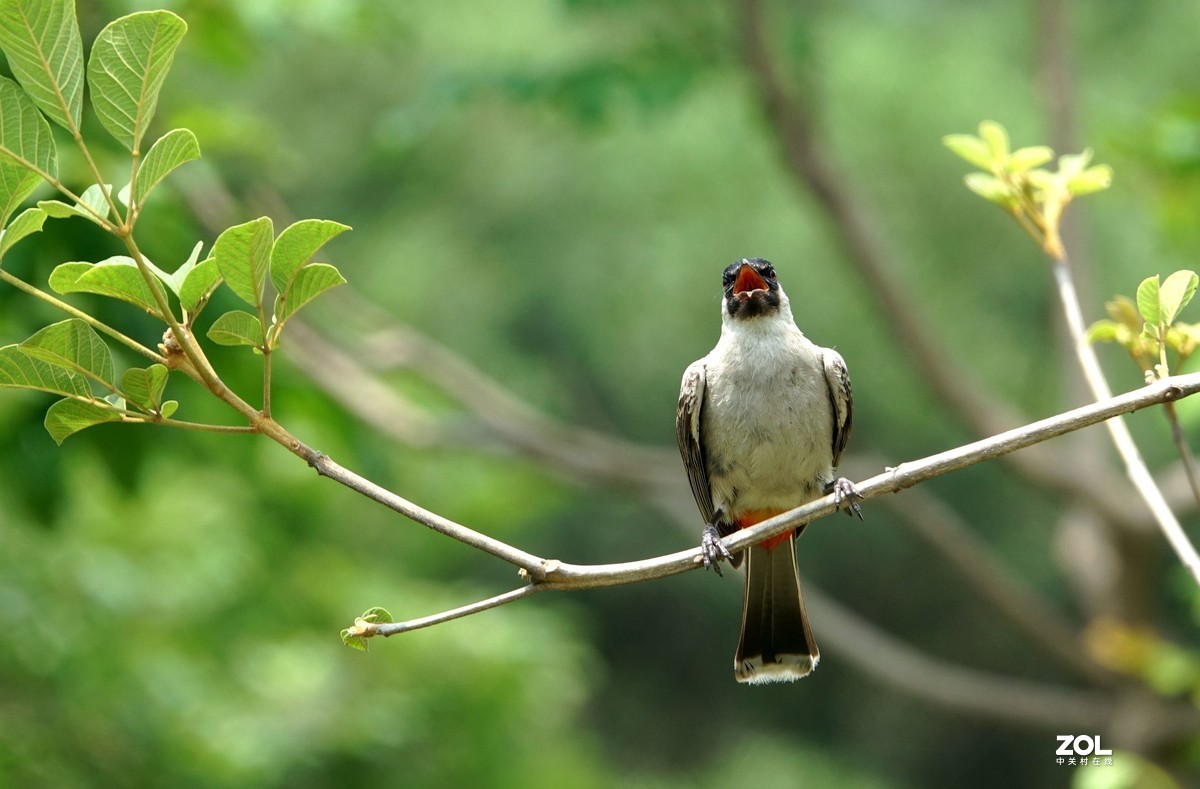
x,y
551,188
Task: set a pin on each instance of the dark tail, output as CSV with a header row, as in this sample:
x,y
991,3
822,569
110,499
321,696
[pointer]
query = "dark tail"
x,y
776,644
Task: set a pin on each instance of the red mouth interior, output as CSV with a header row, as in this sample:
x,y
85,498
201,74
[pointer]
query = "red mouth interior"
x,y
748,280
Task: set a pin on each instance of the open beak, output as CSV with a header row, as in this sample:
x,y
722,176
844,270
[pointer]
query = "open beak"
x,y
748,280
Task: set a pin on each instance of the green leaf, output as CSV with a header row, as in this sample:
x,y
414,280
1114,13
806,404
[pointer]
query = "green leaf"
x,y
198,285
74,346
126,70
20,370
92,198
377,615
243,255
28,221
145,386
1175,293
168,408
1147,300
990,188
25,137
1103,331
308,282
297,244
174,148
1041,179
237,328
117,277
16,183
67,417
25,143
354,641
971,148
1073,164
45,53
1124,311
158,273
1182,337
996,139
175,280
1027,158
1093,179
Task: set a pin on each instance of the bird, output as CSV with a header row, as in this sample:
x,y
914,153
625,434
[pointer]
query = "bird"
x,y
762,421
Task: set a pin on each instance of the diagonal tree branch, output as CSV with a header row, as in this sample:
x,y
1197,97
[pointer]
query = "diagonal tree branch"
x,y
562,575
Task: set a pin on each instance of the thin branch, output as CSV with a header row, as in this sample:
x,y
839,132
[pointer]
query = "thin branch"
x,y
1135,466
266,393
105,189
529,563
395,628
200,426
562,575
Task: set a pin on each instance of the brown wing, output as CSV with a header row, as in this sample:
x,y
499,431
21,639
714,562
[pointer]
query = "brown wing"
x,y
841,400
687,430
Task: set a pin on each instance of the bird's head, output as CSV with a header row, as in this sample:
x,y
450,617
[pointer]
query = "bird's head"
x,y
752,291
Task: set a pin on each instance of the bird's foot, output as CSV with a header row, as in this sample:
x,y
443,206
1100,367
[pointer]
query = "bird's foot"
x,y
712,550
846,496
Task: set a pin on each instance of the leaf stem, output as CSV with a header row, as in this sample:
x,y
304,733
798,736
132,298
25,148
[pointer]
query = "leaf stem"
x,y
266,396
77,134
394,628
135,203
201,426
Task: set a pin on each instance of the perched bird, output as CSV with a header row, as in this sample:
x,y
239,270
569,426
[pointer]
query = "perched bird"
x,y
762,421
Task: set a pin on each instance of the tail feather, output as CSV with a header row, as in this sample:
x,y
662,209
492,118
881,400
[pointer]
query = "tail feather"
x,y
776,644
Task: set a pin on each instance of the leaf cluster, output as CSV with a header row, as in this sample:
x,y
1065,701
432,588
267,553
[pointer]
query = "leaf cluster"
x,y
1147,329
1016,180
125,71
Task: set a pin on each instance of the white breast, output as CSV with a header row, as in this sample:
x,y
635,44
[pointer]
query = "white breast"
x,y
766,422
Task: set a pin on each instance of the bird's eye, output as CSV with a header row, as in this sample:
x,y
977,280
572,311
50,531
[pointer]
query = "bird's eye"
x,y
769,272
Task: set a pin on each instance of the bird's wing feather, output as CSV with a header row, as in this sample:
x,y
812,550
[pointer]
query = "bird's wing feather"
x,y
841,400
687,430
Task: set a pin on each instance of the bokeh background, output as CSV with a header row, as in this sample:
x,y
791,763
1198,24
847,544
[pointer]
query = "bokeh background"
x,y
543,195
